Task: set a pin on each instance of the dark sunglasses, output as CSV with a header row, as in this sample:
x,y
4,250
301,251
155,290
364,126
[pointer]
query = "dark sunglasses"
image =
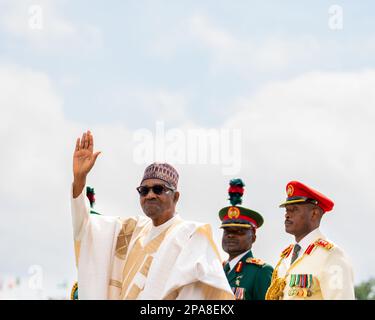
x,y
158,189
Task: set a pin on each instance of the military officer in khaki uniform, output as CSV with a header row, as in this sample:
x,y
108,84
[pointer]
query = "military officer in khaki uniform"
x,y
248,277
313,267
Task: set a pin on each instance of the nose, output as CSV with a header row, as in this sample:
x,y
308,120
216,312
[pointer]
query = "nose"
x,y
287,215
150,195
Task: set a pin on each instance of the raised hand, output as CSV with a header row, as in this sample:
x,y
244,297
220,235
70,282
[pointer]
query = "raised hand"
x,y
84,159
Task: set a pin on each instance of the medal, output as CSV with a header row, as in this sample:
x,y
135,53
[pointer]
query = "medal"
x,y
239,293
290,292
300,292
300,285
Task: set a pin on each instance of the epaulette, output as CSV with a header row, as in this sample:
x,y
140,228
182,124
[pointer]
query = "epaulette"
x,y
286,252
319,243
258,262
324,243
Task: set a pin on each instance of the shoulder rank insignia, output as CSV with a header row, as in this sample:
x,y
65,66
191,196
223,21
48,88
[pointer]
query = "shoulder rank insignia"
x,y
256,261
319,243
239,267
325,244
286,252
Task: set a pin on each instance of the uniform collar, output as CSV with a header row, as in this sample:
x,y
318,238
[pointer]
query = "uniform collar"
x,y
235,260
309,239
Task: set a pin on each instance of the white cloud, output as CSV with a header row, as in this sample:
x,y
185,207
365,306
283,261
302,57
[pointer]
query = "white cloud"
x,y
44,27
166,44
228,52
150,104
246,55
33,167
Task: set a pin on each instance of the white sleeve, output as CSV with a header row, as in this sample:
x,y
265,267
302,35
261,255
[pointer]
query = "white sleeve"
x,y
192,291
80,213
198,270
336,280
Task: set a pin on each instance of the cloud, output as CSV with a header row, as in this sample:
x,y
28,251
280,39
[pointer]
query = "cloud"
x,y
44,27
130,102
229,52
33,166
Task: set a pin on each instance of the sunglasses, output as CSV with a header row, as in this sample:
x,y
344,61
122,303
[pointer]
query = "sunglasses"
x,y
158,189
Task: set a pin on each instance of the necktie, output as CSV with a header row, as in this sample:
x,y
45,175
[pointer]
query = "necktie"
x,y
227,267
296,250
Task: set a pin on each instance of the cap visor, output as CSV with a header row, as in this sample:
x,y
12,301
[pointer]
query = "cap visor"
x,y
291,202
236,225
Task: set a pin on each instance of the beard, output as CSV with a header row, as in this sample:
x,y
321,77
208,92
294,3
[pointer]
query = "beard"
x,y
152,208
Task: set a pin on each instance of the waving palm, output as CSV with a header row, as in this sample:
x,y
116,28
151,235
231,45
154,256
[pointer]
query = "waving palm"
x,y
84,157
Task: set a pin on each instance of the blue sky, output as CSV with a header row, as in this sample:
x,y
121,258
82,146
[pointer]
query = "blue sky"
x,y
300,92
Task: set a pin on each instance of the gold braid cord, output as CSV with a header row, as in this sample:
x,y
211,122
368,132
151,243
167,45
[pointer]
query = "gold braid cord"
x,y
276,289
73,290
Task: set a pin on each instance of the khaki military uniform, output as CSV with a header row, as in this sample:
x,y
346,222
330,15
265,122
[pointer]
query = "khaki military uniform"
x,y
321,272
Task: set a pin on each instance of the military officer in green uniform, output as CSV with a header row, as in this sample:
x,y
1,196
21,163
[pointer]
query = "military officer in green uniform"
x,y
248,277
90,194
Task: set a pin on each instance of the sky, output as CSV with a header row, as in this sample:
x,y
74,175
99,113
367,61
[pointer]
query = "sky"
x,y
276,91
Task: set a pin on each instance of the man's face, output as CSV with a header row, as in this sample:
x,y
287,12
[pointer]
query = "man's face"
x,y
154,205
298,218
237,240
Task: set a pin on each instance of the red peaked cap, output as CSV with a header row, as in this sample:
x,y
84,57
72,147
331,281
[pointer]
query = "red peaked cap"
x,y
297,192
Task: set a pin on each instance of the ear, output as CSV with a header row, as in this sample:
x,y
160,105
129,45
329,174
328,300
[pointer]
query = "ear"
x,y
176,197
316,214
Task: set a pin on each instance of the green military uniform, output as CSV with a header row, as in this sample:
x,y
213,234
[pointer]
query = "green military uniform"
x,y
90,193
250,277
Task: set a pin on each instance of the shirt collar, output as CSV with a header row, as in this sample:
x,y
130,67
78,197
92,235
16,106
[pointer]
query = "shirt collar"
x,y
235,260
309,238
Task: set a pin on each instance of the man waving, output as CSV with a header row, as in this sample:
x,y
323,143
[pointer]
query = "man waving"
x,y
160,256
